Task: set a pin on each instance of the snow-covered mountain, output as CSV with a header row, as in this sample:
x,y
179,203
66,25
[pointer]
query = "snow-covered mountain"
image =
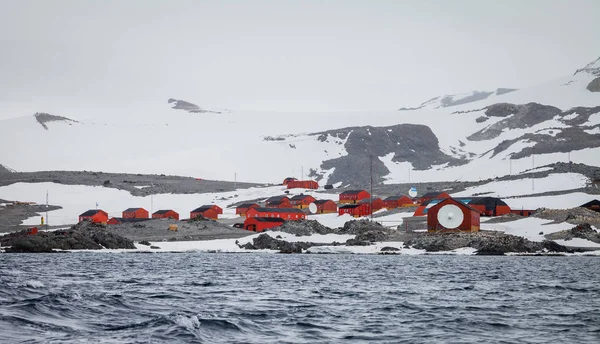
x,y
464,137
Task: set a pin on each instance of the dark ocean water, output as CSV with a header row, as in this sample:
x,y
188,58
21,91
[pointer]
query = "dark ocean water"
x,y
266,298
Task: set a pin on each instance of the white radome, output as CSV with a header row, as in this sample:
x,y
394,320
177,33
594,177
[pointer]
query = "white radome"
x,y
312,208
450,216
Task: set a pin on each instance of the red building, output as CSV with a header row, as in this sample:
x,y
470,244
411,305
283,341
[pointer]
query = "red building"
x,y
260,224
291,214
288,179
95,216
377,203
243,208
284,204
466,218
302,184
135,213
592,205
356,210
274,199
326,206
397,202
353,196
489,206
210,211
433,195
165,214
302,201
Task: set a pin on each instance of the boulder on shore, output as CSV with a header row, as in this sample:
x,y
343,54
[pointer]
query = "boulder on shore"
x,y
82,236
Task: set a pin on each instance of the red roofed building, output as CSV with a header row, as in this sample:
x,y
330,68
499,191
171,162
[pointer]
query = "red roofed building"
x,y
356,210
243,208
135,213
302,184
397,201
288,179
377,203
469,217
95,216
326,206
260,224
210,211
291,214
433,195
353,196
165,214
276,200
302,201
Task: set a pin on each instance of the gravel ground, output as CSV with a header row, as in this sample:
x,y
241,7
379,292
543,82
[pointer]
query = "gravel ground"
x,y
158,230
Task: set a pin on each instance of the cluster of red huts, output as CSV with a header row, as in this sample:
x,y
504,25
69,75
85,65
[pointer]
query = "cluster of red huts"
x,y
140,214
278,209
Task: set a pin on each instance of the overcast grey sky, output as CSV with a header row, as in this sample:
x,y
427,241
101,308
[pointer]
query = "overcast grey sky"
x,y
288,55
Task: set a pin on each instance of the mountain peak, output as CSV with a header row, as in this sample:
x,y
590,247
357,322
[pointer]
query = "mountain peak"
x,y
187,106
591,68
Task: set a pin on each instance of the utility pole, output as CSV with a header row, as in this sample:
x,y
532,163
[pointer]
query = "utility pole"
x,y
235,181
302,175
409,175
371,198
151,204
46,209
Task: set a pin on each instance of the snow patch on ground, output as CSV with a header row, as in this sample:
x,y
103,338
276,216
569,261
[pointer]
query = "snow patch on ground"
x,y
578,242
529,228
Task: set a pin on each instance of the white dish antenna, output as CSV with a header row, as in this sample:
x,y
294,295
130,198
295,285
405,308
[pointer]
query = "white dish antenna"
x,y
412,192
312,208
450,216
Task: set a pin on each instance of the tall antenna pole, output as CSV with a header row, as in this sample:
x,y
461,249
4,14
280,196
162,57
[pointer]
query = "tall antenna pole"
x,y
235,180
371,198
302,176
46,209
151,204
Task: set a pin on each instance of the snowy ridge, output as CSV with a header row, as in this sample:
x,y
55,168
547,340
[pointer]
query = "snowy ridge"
x,y
147,138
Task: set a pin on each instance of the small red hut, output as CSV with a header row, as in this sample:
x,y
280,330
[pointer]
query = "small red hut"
x,y
433,195
165,214
489,206
356,210
243,208
451,215
397,202
288,179
291,214
276,199
353,196
326,206
377,203
302,184
135,213
260,224
210,211
302,201
95,216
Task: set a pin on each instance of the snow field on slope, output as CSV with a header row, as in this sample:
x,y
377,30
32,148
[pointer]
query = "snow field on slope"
x,y
529,228
483,168
76,199
525,186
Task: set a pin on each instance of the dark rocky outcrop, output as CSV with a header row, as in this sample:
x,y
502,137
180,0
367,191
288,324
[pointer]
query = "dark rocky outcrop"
x,y
189,107
44,118
412,143
594,85
83,236
265,241
582,231
485,243
304,227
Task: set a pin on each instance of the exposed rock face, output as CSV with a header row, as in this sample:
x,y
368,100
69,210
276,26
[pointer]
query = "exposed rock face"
x,y
524,116
412,143
304,227
583,231
44,118
576,216
189,107
5,170
83,236
485,243
265,241
594,86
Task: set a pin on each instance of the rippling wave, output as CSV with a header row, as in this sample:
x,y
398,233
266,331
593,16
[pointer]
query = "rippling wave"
x,y
254,298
